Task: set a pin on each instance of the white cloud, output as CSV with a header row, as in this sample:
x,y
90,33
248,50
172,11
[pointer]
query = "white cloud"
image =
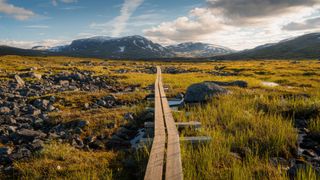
x,y
30,44
18,13
212,25
197,25
127,9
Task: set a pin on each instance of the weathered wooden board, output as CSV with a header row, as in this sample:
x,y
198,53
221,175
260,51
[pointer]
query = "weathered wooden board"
x,y
155,165
173,156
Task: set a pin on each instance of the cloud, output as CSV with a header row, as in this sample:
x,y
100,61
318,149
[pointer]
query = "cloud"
x,y
252,11
313,23
56,2
18,13
238,24
30,44
127,9
199,23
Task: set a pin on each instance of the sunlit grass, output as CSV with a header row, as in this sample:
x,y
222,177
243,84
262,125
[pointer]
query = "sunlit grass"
x,y
314,125
65,162
247,126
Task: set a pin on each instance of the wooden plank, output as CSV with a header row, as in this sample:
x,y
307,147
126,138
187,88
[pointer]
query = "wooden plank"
x,y
155,165
180,125
196,140
173,157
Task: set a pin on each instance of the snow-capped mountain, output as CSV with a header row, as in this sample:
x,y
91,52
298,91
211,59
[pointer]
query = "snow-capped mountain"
x,y
191,49
131,47
138,47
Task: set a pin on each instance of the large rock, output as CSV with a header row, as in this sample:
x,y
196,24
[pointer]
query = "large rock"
x,y
30,135
201,92
242,84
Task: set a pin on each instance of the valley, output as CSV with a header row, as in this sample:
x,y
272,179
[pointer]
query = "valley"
x,y
69,118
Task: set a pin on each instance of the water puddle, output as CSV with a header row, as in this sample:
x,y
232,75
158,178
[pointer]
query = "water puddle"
x,y
269,84
135,142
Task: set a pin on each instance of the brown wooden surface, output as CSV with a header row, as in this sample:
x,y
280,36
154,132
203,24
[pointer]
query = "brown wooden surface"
x,y
155,165
173,156
164,118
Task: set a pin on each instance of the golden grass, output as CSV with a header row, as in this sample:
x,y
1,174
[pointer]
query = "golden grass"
x,y
61,161
258,119
314,125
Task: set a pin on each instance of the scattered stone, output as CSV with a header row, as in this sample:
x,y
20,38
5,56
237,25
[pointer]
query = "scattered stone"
x,y
30,135
19,81
129,117
21,153
97,145
309,153
5,151
242,151
64,83
280,162
4,110
87,106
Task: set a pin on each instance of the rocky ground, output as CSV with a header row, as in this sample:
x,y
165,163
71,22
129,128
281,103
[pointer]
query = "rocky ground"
x,y
27,98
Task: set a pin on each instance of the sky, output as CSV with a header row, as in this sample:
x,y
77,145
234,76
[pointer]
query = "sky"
x,y
237,24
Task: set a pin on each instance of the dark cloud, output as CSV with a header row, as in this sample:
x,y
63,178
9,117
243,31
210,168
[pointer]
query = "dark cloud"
x,y
305,25
244,10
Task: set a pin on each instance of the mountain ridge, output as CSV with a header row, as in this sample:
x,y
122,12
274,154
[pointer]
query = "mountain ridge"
x,y
139,47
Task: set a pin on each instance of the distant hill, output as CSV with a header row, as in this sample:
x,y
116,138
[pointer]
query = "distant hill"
x,y
7,50
138,47
302,47
191,49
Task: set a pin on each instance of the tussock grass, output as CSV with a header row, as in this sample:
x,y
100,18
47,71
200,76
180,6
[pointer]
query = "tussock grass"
x,y
236,126
61,161
314,125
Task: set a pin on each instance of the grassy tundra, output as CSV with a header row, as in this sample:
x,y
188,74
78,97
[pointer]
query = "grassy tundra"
x,y
250,127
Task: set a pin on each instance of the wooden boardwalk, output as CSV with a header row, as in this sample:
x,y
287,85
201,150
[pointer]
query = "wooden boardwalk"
x,y
165,157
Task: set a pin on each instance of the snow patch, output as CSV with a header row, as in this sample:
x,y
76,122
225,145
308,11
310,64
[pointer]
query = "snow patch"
x,y
135,43
122,48
150,47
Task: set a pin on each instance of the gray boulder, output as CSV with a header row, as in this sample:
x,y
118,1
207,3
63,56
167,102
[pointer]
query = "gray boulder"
x,y
201,92
242,84
30,135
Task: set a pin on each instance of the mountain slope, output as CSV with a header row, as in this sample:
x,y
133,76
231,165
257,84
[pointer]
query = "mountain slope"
x,y
190,49
7,50
302,47
131,47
